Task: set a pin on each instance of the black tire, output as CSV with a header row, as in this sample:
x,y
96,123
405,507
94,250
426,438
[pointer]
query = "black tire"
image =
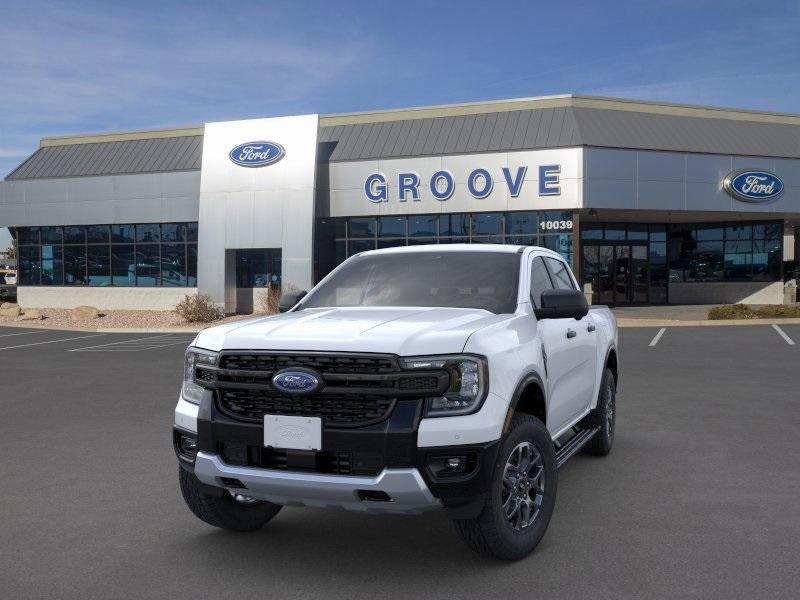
x,y
605,415
224,511
492,532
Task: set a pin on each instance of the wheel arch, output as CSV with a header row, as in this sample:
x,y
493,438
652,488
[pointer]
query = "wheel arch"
x,y
529,398
612,363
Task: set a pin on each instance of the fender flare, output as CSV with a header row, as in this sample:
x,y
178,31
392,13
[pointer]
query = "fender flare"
x,y
613,348
527,379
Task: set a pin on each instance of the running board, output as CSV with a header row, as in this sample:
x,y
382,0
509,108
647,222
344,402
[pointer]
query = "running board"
x,y
569,449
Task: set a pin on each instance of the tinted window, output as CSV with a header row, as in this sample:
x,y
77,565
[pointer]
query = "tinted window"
x,y
486,280
97,234
561,277
122,233
540,281
392,226
422,226
150,232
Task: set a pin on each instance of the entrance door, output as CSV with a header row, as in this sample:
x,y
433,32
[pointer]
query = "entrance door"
x,y
618,272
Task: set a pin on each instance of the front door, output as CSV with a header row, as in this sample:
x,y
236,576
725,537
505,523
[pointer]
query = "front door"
x,y
618,272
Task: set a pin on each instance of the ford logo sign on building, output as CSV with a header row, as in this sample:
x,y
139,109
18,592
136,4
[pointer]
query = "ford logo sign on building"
x,y
753,186
257,154
295,382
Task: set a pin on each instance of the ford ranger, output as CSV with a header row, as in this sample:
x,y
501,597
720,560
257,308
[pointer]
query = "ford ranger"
x,y
456,377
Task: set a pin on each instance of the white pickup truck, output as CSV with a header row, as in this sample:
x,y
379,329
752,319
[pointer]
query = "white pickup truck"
x,y
456,377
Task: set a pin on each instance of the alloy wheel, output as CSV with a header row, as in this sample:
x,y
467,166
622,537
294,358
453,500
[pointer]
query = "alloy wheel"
x,y
522,486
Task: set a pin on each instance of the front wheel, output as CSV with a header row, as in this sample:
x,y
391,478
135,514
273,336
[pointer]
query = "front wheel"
x,y
522,496
225,511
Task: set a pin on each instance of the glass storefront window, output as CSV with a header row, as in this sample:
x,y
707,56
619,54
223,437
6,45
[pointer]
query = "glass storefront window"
x,y
392,227
51,235
614,231
391,243
637,232
362,227
99,265
173,232
74,235
487,224
708,233
107,255
422,225
173,265
123,265
122,234
75,265
30,264
191,264
97,234
357,246
522,223
148,265
27,235
148,233
454,225
52,265
591,231
739,231
522,240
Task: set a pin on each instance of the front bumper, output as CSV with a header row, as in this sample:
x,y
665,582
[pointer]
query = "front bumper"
x,y
386,457
404,490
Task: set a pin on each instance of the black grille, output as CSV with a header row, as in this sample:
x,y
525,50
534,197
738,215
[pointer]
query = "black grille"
x,y
418,382
324,363
340,410
356,389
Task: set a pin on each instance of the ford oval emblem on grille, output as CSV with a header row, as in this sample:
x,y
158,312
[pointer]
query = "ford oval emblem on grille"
x,y
295,381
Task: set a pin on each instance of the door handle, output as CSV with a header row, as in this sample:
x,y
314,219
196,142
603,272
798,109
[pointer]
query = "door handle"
x,y
591,327
571,333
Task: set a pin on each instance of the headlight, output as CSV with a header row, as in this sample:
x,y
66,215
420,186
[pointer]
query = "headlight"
x,y
194,356
469,381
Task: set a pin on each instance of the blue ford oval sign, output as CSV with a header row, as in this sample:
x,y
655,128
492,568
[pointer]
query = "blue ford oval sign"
x,y
753,186
291,381
257,154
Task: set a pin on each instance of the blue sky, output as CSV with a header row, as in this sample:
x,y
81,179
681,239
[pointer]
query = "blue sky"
x,y
74,67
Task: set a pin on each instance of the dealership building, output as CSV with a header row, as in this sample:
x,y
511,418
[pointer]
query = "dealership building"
x,y
651,203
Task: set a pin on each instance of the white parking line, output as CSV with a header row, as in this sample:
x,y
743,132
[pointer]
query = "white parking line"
x,y
83,337
658,336
137,344
24,333
782,333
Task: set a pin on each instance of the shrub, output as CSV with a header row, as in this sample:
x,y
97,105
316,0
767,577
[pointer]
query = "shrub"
x,y
198,308
747,311
269,299
731,311
779,311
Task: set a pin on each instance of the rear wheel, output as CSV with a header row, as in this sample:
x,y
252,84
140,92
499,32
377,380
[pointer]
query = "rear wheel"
x,y
522,495
605,416
237,513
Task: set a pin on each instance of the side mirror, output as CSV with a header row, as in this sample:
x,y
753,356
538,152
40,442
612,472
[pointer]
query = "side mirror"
x,y
562,304
289,299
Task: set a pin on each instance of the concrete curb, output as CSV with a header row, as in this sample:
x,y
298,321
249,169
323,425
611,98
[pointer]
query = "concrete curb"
x,y
45,327
722,323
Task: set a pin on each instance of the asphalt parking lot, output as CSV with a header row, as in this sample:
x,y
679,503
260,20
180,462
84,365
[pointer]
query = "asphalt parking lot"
x,y
699,498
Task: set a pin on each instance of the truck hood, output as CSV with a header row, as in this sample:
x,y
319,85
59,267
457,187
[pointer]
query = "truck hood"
x,y
403,331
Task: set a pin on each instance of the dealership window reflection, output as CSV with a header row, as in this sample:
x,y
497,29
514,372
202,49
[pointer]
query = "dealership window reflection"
x,y
128,255
351,235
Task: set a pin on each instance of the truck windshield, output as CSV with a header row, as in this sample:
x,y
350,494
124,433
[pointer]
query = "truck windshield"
x,y
486,280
